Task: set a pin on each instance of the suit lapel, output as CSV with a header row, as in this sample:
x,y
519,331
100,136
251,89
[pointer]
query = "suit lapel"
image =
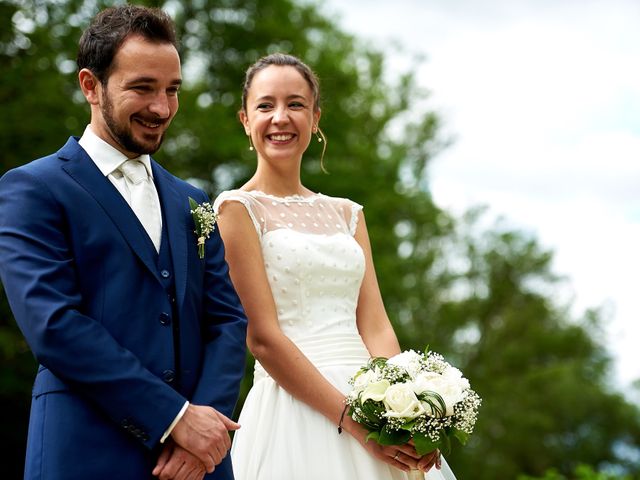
x,y
174,206
82,169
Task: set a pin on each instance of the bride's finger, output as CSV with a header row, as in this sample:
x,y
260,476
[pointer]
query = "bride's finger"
x,y
408,460
409,450
397,460
428,461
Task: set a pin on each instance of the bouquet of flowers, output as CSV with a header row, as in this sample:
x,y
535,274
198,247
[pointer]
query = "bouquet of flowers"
x,y
415,396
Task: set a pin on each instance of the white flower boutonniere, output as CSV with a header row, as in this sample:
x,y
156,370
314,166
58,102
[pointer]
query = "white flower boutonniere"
x,y
205,220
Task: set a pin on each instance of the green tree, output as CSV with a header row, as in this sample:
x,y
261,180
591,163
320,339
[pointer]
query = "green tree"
x,y
543,376
581,472
483,298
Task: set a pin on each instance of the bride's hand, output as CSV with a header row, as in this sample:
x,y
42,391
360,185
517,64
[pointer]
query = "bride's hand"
x,y
403,457
429,460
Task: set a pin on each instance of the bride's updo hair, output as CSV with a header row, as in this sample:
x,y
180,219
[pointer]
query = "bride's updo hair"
x,y
282,60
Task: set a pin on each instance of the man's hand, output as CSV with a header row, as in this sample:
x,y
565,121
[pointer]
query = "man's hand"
x,y
203,432
175,463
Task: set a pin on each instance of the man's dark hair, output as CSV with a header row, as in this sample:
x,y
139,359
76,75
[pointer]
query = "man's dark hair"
x,y
111,27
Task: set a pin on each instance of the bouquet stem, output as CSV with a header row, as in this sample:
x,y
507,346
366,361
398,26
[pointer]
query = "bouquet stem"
x,y
415,475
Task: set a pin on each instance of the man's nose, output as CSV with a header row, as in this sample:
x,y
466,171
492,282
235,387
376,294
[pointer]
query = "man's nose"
x,y
160,105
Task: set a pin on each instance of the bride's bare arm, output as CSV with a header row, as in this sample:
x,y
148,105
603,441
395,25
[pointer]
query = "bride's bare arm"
x,y
373,323
378,334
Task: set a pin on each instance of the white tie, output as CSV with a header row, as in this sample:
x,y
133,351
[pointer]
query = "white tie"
x,y
144,199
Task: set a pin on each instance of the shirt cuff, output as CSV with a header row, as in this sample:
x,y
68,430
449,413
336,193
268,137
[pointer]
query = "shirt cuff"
x,y
167,432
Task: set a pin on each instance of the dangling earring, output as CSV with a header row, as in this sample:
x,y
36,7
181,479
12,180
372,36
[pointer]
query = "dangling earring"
x,y
321,139
250,144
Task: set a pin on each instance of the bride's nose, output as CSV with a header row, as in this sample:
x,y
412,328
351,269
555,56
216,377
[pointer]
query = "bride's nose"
x,y
280,115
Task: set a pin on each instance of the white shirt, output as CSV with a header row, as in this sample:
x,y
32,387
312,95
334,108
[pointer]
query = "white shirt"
x,y
108,160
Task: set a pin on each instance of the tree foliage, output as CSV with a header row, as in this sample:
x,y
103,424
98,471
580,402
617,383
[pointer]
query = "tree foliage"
x,y
482,296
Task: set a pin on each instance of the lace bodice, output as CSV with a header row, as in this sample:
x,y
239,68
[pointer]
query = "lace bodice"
x,y
313,263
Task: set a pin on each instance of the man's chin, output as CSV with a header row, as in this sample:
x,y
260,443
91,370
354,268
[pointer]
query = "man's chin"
x,y
147,146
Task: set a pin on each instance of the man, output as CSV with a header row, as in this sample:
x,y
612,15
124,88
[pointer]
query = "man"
x,y
140,341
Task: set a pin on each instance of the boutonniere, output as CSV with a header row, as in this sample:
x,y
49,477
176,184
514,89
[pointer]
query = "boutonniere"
x,y
205,220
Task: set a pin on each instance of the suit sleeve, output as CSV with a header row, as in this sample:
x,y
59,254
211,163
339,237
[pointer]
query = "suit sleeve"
x,y
225,330
37,269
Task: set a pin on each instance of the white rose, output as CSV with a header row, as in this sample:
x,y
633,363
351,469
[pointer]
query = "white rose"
x,y
375,391
363,379
408,360
452,374
425,381
450,387
401,402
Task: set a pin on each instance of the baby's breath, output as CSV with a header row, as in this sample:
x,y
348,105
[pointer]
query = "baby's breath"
x,y
204,218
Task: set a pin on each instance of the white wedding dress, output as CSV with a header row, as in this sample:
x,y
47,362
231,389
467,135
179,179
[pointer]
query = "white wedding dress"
x,y
315,268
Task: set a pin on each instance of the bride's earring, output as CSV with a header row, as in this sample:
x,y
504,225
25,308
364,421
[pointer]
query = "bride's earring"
x,y
250,144
321,139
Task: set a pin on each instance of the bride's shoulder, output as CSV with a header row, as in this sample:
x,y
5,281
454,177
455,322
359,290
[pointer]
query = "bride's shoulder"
x,y
341,203
241,196
235,194
253,207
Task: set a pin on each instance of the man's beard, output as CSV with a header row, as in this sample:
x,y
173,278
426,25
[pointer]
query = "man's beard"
x,y
122,134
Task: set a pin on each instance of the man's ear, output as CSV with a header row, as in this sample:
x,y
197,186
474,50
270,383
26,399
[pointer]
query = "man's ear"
x,y
89,85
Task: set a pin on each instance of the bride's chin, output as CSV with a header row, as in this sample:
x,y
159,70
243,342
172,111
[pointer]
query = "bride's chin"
x,y
279,156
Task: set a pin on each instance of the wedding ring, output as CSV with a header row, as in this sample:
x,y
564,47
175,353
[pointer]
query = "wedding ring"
x,y
395,457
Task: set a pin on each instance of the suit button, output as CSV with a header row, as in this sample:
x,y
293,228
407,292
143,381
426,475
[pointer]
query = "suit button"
x,y
165,273
165,319
168,376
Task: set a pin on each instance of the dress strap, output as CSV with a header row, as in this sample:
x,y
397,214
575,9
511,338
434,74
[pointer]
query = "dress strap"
x,y
244,199
353,223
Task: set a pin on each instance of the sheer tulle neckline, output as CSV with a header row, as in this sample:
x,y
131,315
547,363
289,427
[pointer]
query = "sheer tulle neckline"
x,y
287,198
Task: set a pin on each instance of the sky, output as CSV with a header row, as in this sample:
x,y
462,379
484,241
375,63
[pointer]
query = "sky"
x,y
542,101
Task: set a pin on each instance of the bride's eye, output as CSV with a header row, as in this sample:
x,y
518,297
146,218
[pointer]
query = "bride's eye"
x,y
264,106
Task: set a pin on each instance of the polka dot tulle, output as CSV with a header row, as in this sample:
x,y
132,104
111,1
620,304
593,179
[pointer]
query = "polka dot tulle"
x,y
316,214
313,263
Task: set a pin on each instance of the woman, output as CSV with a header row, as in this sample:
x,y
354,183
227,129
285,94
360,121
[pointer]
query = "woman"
x,y
302,266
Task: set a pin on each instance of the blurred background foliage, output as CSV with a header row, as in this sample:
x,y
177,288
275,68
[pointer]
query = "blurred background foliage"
x,y
470,287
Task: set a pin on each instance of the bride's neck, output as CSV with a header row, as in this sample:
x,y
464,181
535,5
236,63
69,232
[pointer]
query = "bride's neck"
x,y
276,183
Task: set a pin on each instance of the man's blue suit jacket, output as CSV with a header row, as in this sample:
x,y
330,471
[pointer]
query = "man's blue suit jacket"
x,y
86,291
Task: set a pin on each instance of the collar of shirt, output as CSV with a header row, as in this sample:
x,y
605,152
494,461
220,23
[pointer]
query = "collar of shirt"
x,y
107,158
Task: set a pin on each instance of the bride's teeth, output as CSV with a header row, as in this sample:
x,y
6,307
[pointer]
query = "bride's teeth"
x,y
280,138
